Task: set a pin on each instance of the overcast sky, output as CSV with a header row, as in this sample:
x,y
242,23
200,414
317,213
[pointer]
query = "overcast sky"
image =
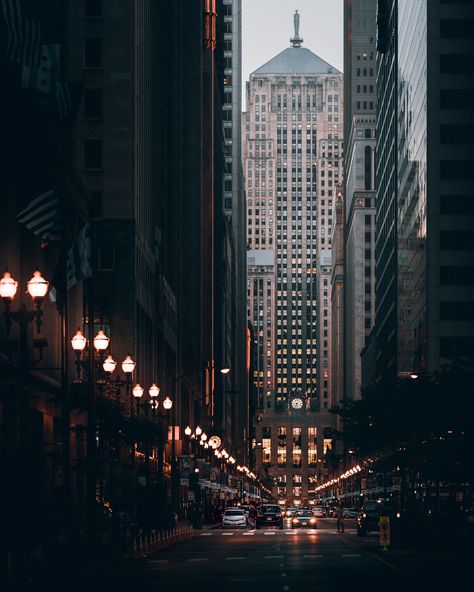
x,y
268,25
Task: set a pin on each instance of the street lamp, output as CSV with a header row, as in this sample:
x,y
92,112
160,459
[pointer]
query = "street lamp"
x,y
198,431
37,288
101,341
8,287
128,366
109,365
188,431
154,391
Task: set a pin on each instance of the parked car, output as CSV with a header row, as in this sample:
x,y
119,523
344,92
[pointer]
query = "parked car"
x,y
304,518
234,517
319,512
369,514
350,512
290,512
269,515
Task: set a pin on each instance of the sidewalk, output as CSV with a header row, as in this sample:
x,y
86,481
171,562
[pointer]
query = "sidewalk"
x,y
442,562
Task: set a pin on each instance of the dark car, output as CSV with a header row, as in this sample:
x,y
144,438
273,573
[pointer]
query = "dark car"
x,y
269,515
304,518
369,514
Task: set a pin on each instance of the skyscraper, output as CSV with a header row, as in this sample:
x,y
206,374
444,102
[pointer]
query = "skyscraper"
x,y
292,162
386,193
359,180
424,183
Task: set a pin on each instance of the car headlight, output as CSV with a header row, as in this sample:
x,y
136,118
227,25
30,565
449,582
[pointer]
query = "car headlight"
x,y
313,520
295,520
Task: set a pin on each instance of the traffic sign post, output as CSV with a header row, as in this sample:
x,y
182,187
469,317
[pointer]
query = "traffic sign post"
x,y
384,523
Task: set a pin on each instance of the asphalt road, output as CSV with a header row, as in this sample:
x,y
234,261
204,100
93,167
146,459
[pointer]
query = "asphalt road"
x,y
289,560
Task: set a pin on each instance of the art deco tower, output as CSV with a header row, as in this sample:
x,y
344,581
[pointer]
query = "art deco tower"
x,y
292,161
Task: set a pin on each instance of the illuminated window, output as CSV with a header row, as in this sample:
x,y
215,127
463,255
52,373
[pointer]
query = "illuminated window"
x,y
266,445
281,486
297,482
281,446
327,445
297,447
312,447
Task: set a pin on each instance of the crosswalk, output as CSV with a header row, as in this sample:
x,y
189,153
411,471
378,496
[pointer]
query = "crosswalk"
x,y
311,531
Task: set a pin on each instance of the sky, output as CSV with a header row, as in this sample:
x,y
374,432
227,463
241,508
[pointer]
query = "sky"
x,y
267,26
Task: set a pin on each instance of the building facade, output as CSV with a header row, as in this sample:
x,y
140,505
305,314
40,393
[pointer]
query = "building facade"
x,y
386,192
292,162
359,180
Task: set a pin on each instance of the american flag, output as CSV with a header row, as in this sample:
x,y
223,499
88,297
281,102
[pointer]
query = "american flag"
x,y
23,39
79,258
41,215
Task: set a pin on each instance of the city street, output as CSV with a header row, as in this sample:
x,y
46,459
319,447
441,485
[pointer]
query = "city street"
x,y
278,560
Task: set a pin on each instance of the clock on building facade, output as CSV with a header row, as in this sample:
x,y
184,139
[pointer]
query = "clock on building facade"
x,y
297,403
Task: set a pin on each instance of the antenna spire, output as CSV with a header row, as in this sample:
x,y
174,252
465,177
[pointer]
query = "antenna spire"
x,y
296,41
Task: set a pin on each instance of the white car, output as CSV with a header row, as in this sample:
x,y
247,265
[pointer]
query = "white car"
x,y
234,517
319,512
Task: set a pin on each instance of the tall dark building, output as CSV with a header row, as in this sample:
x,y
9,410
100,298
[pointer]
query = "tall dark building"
x,y
424,185
386,191
359,183
123,149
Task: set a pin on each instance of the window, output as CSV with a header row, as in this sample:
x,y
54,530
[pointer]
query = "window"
x,y
266,445
281,446
106,257
92,154
297,447
92,53
92,8
92,104
312,447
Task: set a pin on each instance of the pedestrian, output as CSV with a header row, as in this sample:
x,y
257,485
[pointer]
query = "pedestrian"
x,y
340,517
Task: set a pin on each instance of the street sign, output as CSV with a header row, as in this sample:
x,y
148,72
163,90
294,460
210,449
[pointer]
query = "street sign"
x,y
384,523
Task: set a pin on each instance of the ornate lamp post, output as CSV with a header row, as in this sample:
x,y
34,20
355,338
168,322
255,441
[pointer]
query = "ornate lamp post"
x,y
37,288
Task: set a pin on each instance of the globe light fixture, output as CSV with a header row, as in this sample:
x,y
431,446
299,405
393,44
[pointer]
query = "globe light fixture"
x,y
154,391
137,391
37,287
128,365
204,436
198,431
101,341
225,370
188,431
109,364
167,403
8,286
78,342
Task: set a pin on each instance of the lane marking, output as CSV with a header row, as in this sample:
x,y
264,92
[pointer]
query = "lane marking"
x,y
372,555
351,555
311,556
249,533
198,559
234,558
227,533
159,561
291,532
274,556
269,533
206,534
